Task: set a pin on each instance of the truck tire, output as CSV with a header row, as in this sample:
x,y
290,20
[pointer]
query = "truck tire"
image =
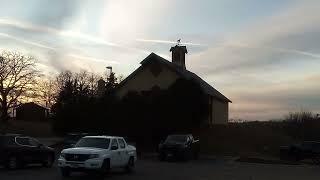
x,y
162,156
316,160
105,168
187,155
130,165
65,172
295,154
48,162
196,155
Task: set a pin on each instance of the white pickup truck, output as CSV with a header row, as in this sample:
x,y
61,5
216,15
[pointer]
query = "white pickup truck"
x,y
98,154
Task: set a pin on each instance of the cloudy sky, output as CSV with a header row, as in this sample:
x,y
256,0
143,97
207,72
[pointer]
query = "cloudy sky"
x,y
263,55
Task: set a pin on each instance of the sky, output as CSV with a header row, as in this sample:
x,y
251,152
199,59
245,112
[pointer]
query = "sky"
x,y
263,55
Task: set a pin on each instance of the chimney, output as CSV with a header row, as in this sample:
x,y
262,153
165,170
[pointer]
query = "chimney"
x,y
101,87
179,55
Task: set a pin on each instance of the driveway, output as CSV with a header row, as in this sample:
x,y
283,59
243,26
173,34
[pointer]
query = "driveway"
x,y
193,170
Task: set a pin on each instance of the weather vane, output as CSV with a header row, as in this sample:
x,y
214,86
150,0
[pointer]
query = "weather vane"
x,y
178,42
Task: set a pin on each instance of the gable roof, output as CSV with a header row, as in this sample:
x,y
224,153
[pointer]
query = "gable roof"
x,y
30,104
207,88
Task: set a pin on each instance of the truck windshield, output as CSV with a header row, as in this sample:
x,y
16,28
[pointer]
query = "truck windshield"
x,y
101,143
176,138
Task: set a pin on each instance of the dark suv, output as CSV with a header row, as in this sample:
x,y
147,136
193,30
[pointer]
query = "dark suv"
x,y
300,151
17,151
179,146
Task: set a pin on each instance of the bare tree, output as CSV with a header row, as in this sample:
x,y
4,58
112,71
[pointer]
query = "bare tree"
x,y
120,78
93,83
63,78
45,93
18,76
83,82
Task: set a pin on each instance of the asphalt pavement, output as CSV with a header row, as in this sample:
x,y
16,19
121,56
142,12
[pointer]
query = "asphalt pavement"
x,y
193,170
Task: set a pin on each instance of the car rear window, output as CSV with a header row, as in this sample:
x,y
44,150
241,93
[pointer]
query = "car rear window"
x,y
176,138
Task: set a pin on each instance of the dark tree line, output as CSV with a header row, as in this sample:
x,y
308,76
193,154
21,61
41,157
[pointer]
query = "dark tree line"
x,y
147,115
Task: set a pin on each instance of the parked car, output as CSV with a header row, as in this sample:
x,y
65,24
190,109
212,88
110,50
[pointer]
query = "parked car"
x,y
304,150
17,151
182,146
98,154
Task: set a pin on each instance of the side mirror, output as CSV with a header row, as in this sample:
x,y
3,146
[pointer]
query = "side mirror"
x,y
114,147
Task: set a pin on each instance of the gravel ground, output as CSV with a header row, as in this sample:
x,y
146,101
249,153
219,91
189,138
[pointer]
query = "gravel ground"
x,y
197,170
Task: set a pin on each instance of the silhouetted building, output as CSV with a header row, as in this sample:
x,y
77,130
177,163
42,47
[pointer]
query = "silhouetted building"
x,y
156,72
179,55
101,87
31,112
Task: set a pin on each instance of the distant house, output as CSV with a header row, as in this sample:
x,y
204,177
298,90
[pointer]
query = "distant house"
x,y
157,72
31,112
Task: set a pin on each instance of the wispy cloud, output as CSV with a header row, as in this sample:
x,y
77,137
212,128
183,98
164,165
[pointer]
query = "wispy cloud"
x,y
54,31
68,53
168,42
55,50
64,33
92,58
277,49
26,41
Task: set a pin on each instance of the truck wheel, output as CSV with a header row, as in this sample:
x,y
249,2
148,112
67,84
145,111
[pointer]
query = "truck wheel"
x,y
65,172
162,156
295,154
105,168
48,162
297,157
130,165
187,155
12,163
316,160
196,155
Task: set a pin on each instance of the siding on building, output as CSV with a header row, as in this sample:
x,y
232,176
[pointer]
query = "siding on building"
x,y
159,72
219,111
31,112
145,79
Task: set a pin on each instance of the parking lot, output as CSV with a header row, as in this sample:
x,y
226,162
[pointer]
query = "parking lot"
x,y
201,169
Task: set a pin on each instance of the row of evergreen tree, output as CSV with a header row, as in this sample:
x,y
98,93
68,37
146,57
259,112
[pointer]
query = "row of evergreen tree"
x,y
149,114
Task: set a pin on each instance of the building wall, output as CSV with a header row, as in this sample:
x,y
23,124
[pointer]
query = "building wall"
x,y
30,112
147,78
220,111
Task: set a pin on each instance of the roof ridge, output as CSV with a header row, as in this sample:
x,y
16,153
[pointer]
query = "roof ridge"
x,y
183,72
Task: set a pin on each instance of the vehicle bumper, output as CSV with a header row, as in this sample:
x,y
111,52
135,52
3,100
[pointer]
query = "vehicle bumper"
x,y
90,164
173,152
